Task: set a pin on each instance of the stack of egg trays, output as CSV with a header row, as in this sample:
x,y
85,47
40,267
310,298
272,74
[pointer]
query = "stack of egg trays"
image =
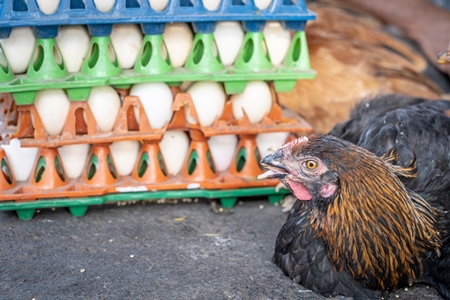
x,y
78,86
202,64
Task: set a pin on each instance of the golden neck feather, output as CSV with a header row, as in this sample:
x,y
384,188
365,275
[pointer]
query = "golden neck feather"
x,y
375,229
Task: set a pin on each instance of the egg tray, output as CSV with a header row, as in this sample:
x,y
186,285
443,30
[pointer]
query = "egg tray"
x,y
23,122
45,71
79,206
100,181
99,176
48,179
19,13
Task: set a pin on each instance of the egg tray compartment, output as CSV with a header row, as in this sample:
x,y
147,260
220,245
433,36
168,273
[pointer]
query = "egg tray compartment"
x,y
47,69
19,13
79,206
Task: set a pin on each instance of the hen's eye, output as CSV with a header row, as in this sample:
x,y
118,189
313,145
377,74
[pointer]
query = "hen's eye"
x,y
311,164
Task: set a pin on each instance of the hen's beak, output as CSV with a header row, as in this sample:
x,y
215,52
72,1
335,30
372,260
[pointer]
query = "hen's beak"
x,y
274,162
444,57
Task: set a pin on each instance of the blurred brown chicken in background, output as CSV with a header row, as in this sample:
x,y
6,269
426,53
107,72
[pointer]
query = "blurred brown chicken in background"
x,y
354,57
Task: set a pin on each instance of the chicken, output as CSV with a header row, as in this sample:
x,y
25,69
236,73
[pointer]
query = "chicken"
x,y
354,56
357,230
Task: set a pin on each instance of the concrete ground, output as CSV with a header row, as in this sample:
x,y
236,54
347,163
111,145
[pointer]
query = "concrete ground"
x,y
150,251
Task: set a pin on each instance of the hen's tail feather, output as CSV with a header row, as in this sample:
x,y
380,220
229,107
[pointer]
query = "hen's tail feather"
x,y
391,157
440,273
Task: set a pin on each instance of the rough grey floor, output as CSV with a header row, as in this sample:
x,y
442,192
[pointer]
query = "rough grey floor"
x,y
149,251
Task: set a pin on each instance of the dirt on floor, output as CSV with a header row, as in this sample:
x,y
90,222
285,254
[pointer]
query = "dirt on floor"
x,y
150,251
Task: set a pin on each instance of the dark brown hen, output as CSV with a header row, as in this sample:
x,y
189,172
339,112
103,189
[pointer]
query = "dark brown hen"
x,y
357,230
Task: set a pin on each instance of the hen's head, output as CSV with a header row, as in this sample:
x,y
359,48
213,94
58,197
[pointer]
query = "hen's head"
x,y
311,167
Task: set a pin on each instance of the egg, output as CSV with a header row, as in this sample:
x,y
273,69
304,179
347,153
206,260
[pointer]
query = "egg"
x,y
222,149
209,101
21,160
174,149
256,101
229,37
48,7
105,104
278,40
73,42
268,142
52,107
211,4
74,159
261,4
158,5
157,99
19,48
104,5
126,40
125,155
178,38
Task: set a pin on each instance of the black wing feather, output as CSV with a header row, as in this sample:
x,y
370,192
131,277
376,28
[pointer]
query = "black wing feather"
x,y
301,255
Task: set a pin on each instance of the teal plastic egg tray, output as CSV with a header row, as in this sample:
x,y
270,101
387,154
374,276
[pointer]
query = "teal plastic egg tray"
x,y
79,206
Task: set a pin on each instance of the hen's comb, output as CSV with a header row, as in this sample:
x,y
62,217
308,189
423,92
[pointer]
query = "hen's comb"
x,y
296,142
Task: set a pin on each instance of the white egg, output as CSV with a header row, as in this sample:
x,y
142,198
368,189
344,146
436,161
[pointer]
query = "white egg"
x,y
268,142
211,4
209,101
74,159
48,7
21,160
229,37
174,149
157,99
278,40
158,5
125,155
127,41
52,107
104,5
222,149
261,4
19,48
73,42
178,38
256,101
105,104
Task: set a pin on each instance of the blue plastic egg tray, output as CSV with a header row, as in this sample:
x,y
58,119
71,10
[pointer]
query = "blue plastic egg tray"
x,y
17,13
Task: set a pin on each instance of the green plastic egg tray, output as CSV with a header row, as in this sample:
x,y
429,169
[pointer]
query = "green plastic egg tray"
x,y
98,69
